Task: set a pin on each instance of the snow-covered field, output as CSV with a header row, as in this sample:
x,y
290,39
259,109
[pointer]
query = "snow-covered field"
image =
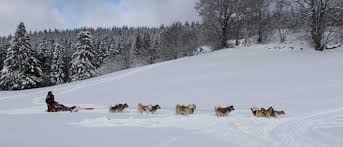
x,y
307,84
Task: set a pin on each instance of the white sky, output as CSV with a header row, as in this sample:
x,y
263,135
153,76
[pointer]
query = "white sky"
x,y
62,14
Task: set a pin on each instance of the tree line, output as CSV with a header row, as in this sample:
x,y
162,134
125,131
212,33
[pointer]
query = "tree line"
x,y
52,57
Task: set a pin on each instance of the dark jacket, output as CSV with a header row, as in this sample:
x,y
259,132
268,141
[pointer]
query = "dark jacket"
x,y
50,99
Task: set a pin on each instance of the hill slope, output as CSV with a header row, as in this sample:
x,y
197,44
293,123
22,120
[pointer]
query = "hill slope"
x,y
306,84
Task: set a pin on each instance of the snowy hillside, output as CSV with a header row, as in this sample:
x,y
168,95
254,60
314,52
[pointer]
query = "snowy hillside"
x,y
306,84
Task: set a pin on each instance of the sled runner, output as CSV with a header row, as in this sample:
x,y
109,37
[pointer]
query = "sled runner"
x,y
74,109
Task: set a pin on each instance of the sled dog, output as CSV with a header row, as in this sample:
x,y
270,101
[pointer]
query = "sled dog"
x,y
144,108
148,108
223,111
155,108
118,108
185,110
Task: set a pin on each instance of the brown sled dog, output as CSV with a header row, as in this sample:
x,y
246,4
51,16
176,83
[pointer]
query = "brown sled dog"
x,y
257,112
118,108
277,113
270,112
148,108
223,111
185,110
180,110
144,108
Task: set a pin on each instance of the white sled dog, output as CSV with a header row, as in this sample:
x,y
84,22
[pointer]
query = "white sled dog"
x,y
185,110
148,108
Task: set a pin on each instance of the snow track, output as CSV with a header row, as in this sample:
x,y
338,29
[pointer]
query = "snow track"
x,y
240,126
236,128
310,130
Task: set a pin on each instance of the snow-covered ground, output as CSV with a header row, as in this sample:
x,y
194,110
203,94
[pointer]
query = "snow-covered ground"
x,y
307,84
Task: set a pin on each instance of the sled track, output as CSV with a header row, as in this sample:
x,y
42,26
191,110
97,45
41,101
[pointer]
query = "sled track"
x,y
296,131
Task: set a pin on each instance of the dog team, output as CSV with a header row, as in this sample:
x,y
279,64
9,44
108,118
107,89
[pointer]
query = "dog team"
x,y
190,109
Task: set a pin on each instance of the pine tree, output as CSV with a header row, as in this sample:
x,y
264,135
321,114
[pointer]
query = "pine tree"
x,y
2,54
171,41
146,42
82,65
139,45
102,51
127,53
57,74
21,69
44,55
113,49
152,52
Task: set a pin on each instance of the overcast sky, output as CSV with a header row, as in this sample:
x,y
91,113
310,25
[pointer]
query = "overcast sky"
x,y
62,14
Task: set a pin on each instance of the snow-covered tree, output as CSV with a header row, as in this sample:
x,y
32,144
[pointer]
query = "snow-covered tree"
x,y
146,42
171,41
113,49
217,16
319,15
261,12
152,52
102,52
82,64
138,45
3,49
283,19
57,74
21,69
44,55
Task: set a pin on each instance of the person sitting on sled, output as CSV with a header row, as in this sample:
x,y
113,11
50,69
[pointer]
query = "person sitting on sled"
x,y
54,106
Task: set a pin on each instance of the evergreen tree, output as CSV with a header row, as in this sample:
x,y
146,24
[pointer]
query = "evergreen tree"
x,y
44,55
113,49
171,41
57,74
139,45
146,42
82,64
102,51
152,52
127,53
2,54
21,69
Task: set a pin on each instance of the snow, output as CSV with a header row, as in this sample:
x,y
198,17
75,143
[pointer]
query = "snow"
x,y
306,84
